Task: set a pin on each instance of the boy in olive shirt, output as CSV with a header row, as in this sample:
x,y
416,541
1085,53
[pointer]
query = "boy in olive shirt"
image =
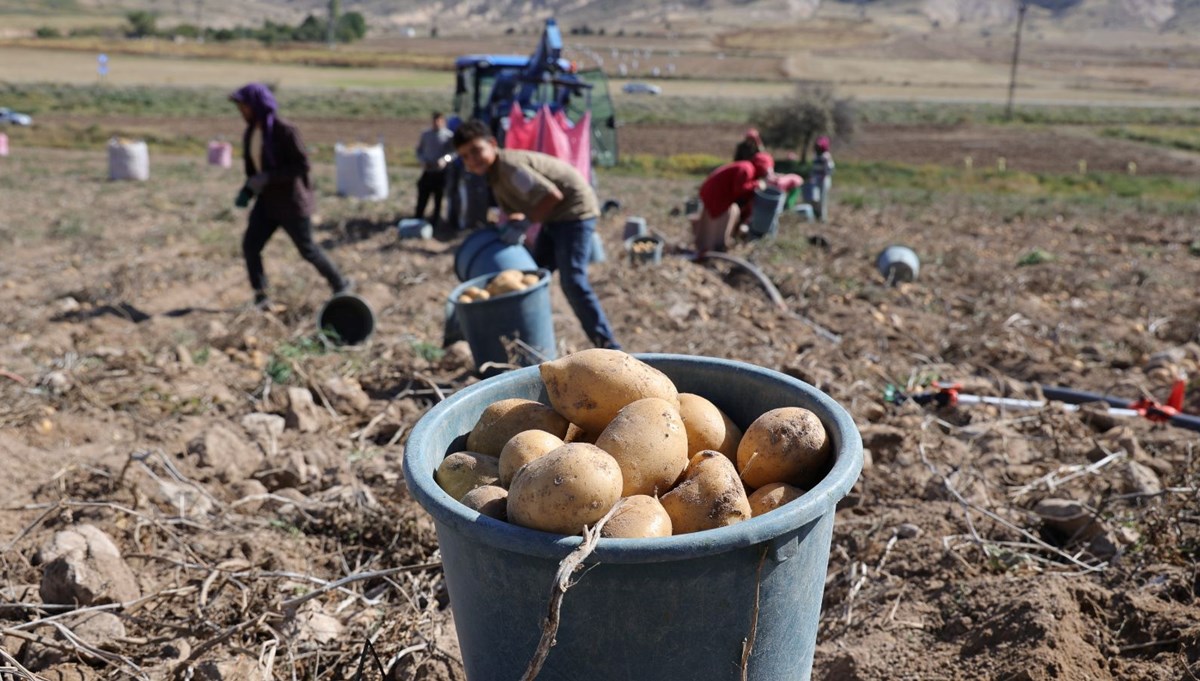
x,y
536,187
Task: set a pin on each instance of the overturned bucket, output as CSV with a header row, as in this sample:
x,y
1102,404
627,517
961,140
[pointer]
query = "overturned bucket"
x,y
483,253
898,264
768,203
679,607
494,326
347,319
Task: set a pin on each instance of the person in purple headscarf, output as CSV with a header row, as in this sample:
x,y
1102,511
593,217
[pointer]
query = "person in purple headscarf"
x,y
277,180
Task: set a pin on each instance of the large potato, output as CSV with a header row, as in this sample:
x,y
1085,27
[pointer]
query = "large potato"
x,y
506,282
523,448
649,442
708,427
462,472
636,517
589,387
710,496
489,500
572,486
789,445
771,496
504,419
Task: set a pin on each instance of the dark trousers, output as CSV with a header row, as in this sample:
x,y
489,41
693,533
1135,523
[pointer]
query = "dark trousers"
x,y
259,231
568,246
431,182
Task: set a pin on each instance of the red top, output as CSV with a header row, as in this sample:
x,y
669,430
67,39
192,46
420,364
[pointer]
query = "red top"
x,y
731,183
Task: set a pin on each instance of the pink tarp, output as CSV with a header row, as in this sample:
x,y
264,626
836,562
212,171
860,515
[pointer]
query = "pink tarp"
x,y
553,134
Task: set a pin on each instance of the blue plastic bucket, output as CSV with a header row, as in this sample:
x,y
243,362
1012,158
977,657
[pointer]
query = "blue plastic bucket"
x,y
897,264
490,325
637,256
348,317
768,202
644,609
483,253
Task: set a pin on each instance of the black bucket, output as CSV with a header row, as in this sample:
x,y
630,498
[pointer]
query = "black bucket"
x,y
348,319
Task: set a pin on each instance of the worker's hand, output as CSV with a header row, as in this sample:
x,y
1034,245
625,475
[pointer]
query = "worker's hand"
x,y
258,182
513,232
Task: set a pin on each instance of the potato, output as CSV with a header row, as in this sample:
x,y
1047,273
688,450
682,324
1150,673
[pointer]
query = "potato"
x,y
462,472
784,445
504,419
506,282
530,279
771,496
638,516
589,387
568,488
649,442
523,448
710,496
465,298
708,427
489,500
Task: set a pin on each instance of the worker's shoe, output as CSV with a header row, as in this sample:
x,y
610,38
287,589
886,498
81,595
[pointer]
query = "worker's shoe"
x,y
262,301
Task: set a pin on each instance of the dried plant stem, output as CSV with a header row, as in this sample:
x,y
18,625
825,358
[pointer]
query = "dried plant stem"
x,y
562,582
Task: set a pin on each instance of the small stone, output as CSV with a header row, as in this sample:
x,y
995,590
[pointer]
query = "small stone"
x,y
346,395
82,566
303,414
908,531
183,356
1140,479
98,628
224,451
244,493
458,356
1069,518
264,428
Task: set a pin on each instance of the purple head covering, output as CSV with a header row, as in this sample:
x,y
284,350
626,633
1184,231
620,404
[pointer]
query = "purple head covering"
x,y
262,103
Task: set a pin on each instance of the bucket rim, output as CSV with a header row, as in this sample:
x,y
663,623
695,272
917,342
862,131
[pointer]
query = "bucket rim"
x,y
481,281
780,524
346,296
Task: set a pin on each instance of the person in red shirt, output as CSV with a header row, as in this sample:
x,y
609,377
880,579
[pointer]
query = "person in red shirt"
x,y
726,195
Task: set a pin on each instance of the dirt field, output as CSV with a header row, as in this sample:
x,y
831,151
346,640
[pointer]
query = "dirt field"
x,y
131,360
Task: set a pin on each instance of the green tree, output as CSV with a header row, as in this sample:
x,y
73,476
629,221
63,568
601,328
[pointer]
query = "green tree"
x,y
141,23
351,26
811,111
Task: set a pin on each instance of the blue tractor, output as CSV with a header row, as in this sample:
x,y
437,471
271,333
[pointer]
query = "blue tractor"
x,y
486,85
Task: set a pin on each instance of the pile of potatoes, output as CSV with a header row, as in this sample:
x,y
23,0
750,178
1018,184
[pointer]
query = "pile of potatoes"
x,y
618,432
504,282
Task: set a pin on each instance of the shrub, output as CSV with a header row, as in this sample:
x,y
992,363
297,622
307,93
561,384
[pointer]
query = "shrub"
x,y
813,110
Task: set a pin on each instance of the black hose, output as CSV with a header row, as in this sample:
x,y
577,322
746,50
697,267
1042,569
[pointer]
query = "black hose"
x,y
1072,396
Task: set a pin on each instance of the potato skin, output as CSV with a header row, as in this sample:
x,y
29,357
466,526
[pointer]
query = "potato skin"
x,y
649,442
708,427
589,387
710,496
568,488
639,516
523,448
504,419
462,472
771,496
789,445
489,500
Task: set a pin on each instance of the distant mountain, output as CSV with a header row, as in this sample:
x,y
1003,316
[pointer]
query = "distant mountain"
x,y
480,15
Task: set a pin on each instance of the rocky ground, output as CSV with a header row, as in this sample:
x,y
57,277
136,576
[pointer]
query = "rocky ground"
x,y
199,475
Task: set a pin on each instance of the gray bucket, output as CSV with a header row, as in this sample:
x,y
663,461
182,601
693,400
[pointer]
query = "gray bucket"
x,y
414,228
634,226
897,264
348,318
488,325
652,256
644,609
764,220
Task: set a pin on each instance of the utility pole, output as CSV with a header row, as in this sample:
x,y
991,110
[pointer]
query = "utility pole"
x,y
334,10
1012,79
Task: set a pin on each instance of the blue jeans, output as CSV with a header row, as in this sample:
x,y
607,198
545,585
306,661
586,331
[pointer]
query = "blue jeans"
x,y
568,246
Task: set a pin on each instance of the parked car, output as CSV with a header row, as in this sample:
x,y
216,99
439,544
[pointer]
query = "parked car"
x,y
10,117
642,89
